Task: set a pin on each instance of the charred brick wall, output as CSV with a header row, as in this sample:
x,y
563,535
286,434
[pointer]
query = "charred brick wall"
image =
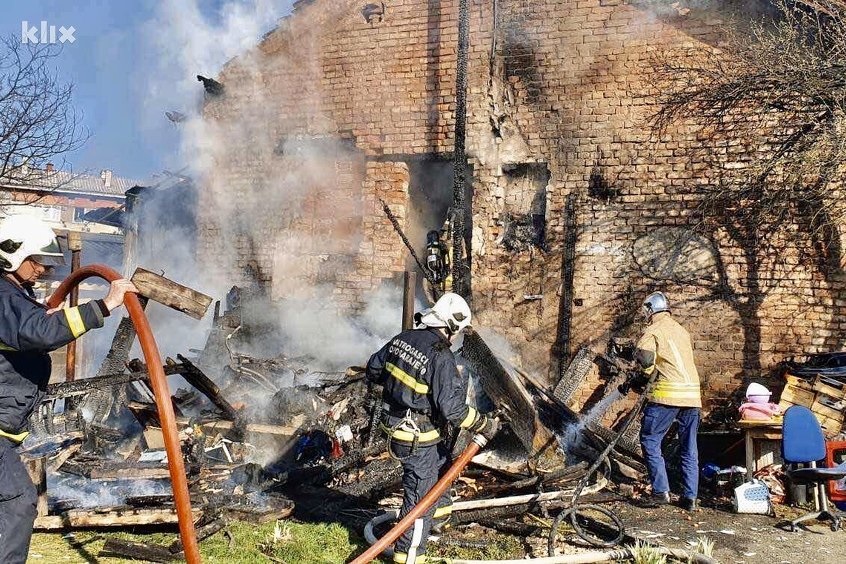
x,y
560,109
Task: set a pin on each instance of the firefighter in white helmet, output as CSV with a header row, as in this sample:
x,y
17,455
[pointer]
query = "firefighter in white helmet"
x,y
28,332
665,353
422,391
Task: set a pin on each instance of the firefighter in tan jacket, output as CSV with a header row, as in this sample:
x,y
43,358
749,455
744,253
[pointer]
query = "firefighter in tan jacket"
x,y
666,349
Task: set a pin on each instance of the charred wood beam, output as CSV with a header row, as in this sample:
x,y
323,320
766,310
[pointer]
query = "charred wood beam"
x,y
87,385
207,387
109,517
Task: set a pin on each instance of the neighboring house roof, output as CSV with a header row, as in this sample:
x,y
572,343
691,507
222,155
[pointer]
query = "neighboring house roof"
x,y
104,184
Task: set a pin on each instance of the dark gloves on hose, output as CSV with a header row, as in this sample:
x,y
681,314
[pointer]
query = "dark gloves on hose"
x,y
486,426
636,382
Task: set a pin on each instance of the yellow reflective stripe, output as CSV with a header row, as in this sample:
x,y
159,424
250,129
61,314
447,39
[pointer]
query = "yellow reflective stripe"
x,y
75,323
649,371
679,390
442,512
406,378
472,417
19,438
5,347
402,558
408,436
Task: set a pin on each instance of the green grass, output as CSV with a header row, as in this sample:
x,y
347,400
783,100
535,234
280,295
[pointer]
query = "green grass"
x,y
288,541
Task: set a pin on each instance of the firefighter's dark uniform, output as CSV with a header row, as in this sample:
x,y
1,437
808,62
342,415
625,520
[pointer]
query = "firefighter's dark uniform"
x,y
421,392
27,334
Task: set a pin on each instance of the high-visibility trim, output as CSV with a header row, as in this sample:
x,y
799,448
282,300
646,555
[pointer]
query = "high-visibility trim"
x,y
77,326
17,439
402,558
676,390
442,512
470,419
407,379
649,370
408,436
5,347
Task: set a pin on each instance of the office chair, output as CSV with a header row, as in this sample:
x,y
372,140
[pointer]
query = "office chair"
x,y
803,443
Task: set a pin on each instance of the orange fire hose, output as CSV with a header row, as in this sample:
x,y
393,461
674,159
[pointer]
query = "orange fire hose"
x,y
162,395
424,504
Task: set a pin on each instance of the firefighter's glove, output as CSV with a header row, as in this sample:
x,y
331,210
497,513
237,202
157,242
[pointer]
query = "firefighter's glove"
x,y
487,426
625,387
636,382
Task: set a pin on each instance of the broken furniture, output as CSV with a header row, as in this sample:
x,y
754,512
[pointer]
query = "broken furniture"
x,y
762,440
804,444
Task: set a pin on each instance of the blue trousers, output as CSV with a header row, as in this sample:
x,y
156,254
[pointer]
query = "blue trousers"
x,y
656,421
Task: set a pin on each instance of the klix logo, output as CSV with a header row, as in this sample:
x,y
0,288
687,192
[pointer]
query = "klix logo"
x,y
46,33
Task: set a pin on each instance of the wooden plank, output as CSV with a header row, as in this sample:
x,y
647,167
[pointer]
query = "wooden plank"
x,y
110,517
800,383
507,391
136,473
797,396
37,470
56,462
171,294
830,387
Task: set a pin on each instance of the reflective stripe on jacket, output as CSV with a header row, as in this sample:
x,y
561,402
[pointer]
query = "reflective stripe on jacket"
x,y
27,334
417,372
666,347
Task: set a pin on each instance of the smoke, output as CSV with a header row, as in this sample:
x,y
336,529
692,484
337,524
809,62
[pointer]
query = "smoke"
x,y
278,211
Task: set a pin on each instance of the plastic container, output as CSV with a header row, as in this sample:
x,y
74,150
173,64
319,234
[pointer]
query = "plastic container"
x,y
756,393
752,497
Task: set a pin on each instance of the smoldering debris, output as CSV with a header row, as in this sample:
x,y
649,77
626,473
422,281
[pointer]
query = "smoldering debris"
x,y
264,437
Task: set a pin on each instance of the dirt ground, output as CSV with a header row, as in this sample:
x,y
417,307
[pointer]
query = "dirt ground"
x,y
737,538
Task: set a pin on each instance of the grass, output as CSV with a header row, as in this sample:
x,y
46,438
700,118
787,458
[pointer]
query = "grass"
x,y
287,541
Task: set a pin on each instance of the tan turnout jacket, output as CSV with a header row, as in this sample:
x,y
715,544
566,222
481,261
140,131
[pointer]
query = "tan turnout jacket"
x,y
677,382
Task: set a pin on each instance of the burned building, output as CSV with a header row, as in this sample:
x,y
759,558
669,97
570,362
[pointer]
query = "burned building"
x,y
577,209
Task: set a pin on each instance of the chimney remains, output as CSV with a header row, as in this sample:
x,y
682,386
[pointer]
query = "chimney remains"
x,y
49,168
106,175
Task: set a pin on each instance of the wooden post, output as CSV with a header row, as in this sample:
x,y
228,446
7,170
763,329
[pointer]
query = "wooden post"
x,y
408,290
75,246
37,469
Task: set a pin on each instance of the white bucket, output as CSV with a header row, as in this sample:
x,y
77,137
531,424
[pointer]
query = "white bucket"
x,y
752,497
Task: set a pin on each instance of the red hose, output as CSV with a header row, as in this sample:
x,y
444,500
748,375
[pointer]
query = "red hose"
x,y
424,504
162,395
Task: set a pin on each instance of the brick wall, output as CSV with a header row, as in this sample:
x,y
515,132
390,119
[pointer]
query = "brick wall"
x,y
563,102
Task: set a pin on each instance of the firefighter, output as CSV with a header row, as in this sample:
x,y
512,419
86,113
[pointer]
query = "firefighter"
x,y
422,392
665,352
28,331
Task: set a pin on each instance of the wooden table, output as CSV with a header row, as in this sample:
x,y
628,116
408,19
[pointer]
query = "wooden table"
x,y
754,434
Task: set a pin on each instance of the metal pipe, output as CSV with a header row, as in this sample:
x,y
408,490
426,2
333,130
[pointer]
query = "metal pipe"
x,y
409,285
158,380
424,504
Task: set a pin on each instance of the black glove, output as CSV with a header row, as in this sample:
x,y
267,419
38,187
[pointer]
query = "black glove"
x,y
625,387
486,426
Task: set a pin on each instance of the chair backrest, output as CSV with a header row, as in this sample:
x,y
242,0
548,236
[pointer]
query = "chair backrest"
x,y
803,440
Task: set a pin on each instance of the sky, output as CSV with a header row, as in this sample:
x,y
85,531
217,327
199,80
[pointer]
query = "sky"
x,y
131,61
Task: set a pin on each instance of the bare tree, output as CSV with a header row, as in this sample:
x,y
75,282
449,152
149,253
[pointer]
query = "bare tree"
x,y
765,115
38,123
769,106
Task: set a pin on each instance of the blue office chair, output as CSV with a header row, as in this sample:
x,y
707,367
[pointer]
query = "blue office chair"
x,y
803,443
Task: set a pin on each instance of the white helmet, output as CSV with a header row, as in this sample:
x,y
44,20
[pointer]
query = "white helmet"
x,y
654,303
24,236
450,311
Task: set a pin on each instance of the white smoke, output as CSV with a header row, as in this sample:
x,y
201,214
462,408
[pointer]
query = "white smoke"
x,y
266,217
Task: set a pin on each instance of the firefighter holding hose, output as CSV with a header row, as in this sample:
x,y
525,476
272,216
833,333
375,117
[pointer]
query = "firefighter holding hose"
x,y
422,391
28,332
